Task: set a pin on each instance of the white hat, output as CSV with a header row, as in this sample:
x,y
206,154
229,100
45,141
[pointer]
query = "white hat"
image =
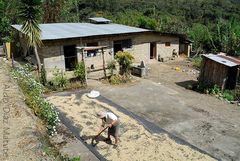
x,y
93,94
101,114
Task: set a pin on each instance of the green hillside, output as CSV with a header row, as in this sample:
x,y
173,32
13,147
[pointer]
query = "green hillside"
x,y
213,25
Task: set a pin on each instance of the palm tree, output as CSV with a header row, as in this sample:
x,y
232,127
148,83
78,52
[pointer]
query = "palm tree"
x,y
29,14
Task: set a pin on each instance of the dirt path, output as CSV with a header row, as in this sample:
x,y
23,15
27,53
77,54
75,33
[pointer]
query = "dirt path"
x,y
19,132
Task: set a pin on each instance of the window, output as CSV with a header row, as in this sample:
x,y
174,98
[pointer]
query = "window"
x,y
119,45
167,44
92,53
127,43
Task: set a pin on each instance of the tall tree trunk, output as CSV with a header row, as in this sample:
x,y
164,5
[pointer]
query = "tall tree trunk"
x,y
37,57
77,10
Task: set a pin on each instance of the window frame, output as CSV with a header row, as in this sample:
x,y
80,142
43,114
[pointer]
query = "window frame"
x,y
92,53
168,44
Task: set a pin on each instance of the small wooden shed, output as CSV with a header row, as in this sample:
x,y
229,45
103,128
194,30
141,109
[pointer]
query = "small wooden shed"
x,y
220,70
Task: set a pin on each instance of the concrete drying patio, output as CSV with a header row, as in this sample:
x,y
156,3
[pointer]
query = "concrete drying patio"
x,y
204,121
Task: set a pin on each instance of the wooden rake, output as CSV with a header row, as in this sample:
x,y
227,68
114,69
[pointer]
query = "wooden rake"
x,y
95,137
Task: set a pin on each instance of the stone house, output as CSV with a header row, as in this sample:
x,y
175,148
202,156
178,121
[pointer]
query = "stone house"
x,y
61,39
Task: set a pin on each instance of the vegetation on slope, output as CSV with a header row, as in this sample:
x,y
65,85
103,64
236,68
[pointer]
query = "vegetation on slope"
x,y
213,25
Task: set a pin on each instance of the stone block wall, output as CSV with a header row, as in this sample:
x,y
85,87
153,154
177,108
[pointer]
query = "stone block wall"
x,y
167,51
162,51
52,57
52,53
97,61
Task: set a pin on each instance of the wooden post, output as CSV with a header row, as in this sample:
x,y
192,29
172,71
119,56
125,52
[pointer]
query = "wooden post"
x,y
12,60
104,69
224,84
83,59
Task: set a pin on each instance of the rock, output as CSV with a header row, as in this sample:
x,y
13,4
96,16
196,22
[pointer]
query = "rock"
x,y
220,98
58,139
233,102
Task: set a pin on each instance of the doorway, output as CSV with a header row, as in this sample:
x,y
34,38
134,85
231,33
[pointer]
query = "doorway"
x,y
70,55
232,77
117,46
153,50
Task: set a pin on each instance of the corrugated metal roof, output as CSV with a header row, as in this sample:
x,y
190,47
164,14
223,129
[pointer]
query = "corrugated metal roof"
x,y
225,60
99,19
56,31
232,59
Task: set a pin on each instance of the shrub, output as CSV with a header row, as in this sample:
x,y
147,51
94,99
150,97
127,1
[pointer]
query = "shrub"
x,y
196,61
33,93
115,79
60,80
125,60
215,90
228,95
67,158
43,76
111,66
201,87
118,79
79,72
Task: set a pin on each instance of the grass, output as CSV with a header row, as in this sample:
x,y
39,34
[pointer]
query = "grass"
x,y
196,61
229,95
50,150
33,91
70,86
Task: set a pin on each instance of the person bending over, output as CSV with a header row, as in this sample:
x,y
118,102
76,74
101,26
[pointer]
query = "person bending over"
x,y
112,121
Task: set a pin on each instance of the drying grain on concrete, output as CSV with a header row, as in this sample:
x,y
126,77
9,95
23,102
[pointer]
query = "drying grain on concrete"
x,y
136,142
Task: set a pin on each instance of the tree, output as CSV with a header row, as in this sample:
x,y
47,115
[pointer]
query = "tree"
x,y
29,14
228,37
202,39
174,16
52,11
8,11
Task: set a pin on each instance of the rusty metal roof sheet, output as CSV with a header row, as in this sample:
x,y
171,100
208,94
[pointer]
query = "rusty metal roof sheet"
x,y
54,31
232,59
222,59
